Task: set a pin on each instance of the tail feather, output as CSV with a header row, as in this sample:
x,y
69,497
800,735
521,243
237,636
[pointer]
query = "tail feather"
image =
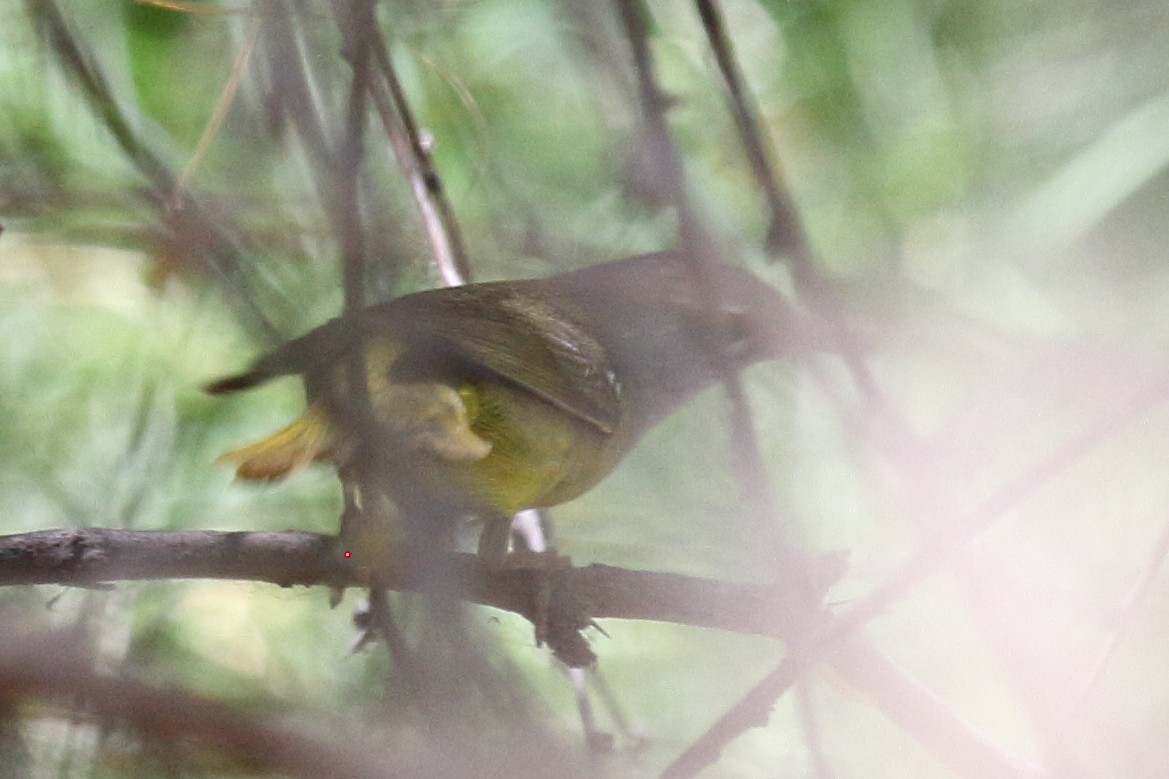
x,y
307,439
240,381
288,359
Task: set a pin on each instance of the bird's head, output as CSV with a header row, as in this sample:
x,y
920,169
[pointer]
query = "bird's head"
x,y
672,329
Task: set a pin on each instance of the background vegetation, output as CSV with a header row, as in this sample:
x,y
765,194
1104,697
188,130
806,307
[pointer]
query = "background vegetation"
x,y
985,192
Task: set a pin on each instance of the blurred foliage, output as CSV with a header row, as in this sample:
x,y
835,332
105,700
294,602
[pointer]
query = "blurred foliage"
x,y
986,187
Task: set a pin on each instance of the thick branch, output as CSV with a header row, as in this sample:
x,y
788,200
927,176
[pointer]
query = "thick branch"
x,y
93,556
89,557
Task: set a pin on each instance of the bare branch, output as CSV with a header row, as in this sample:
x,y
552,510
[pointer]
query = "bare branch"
x,y
295,95
93,556
1125,613
356,21
813,737
787,232
949,737
221,251
222,106
842,630
665,173
941,546
413,156
90,557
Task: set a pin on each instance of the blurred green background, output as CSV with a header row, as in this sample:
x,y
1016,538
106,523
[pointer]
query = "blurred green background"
x,y
985,185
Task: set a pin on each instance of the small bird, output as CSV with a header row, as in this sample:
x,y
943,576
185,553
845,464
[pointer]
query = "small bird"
x,y
494,397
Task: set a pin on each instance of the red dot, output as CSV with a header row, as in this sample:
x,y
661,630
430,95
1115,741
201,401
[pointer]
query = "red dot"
x,y
348,554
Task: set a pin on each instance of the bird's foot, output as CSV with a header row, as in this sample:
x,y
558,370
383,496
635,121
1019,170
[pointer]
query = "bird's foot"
x,y
541,568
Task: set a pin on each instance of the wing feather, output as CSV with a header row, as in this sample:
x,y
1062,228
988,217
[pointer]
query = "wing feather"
x,y
515,330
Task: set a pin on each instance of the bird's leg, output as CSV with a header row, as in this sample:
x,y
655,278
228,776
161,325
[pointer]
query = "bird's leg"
x,y
351,510
532,557
531,552
598,740
350,518
634,736
532,548
494,541
371,537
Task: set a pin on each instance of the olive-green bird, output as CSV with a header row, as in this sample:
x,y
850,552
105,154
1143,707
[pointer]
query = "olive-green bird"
x,y
494,397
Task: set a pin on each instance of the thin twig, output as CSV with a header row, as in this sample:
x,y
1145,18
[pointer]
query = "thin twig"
x,y
204,8
748,712
941,546
956,743
222,254
299,100
938,726
1124,615
787,231
753,707
699,247
413,156
356,22
813,738
222,104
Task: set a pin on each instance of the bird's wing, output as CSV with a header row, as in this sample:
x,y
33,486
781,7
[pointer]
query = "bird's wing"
x,y
525,338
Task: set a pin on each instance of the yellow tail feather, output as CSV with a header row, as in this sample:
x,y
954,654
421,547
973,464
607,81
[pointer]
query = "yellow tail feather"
x,y
307,439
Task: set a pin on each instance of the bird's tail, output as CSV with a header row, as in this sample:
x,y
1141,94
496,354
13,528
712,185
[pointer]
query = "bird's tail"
x,y
240,381
308,438
295,356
